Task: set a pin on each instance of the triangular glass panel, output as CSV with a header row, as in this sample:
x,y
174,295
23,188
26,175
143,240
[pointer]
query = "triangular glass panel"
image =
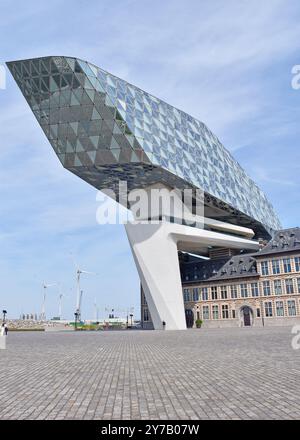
x,y
95,140
74,126
99,87
134,157
53,67
25,70
45,84
70,148
71,62
68,78
116,153
92,155
35,84
77,162
95,115
113,144
130,139
44,68
74,100
76,83
91,94
61,157
85,99
65,98
53,84
87,83
77,69
63,83
79,147
54,98
34,68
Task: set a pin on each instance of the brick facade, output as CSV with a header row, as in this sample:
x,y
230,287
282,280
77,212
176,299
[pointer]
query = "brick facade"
x,y
260,289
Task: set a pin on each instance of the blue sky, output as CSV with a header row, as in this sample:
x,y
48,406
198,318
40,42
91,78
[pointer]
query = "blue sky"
x,y
226,63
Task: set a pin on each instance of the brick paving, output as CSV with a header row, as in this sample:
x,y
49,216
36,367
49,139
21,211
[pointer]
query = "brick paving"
x,y
195,374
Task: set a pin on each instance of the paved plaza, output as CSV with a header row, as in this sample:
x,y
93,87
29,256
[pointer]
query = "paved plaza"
x,y
195,374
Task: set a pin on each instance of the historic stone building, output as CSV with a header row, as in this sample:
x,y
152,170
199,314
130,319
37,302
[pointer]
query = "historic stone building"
x,y
247,289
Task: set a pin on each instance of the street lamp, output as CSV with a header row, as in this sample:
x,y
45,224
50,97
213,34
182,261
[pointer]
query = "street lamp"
x,y
4,314
76,317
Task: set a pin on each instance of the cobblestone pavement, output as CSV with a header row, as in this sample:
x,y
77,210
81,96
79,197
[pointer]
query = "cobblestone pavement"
x,y
195,374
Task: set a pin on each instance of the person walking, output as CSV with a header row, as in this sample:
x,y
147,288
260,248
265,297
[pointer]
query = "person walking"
x,y
5,329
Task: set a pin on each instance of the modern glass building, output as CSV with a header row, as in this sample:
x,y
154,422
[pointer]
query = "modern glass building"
x,y
104,129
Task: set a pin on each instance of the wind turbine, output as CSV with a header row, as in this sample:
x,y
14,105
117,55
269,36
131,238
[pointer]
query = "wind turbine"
x,y
96,310
45,287
79,291
60,297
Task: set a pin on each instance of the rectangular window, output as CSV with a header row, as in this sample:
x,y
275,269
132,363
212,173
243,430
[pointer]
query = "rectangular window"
x,y
224,292
214,293
233,314
195,294
291,308
277,287
233,291
289,287
186,295
266,288
215,310
275,267
143,299
264,268
297,264
205,312
268,309
146,315
279,308
225,311
298,284
205,293
287,265
258,313
254,289
244,291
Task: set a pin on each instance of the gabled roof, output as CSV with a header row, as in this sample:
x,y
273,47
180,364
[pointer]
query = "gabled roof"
x,y
285,240
239,266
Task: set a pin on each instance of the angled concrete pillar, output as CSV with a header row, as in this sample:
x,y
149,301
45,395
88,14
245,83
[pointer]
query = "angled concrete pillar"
x,y
155,250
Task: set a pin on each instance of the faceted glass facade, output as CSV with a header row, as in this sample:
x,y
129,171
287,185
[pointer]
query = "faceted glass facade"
x,y
104,130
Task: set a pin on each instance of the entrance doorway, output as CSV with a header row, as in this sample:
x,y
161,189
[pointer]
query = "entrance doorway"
x,y
246,313
189,317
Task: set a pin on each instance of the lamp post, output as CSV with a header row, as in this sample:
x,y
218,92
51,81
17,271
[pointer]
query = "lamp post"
x,y
4,314
262,312
76,316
